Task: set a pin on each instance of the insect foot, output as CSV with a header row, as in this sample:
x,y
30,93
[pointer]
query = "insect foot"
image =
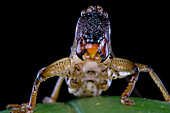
x,y
169,100
23,108
127,101
48,100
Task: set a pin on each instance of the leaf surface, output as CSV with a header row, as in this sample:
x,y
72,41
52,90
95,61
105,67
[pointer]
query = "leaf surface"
x,y
103,104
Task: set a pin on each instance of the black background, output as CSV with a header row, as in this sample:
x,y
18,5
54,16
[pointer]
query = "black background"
x,y
35,34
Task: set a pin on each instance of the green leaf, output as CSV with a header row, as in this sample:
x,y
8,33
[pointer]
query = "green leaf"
x,y
103,104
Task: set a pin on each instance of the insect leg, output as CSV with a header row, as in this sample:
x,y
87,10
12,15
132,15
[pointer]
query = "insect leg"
x,y
52,70
156,79
125,100
29,106
55,93
124,68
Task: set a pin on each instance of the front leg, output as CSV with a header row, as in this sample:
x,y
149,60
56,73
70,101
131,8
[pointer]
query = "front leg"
x,y
125,100
52,70
123,67
120,69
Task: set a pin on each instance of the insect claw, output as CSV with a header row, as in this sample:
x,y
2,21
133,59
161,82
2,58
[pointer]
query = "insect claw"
x,y
127,101
13,106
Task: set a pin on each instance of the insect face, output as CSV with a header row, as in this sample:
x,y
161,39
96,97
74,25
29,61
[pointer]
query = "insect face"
x,y
93,34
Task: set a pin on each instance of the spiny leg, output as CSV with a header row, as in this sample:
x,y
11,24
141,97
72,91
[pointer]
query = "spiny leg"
x,y
120,69
55,93
125,100
52,70
156,79
28,106
119,64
